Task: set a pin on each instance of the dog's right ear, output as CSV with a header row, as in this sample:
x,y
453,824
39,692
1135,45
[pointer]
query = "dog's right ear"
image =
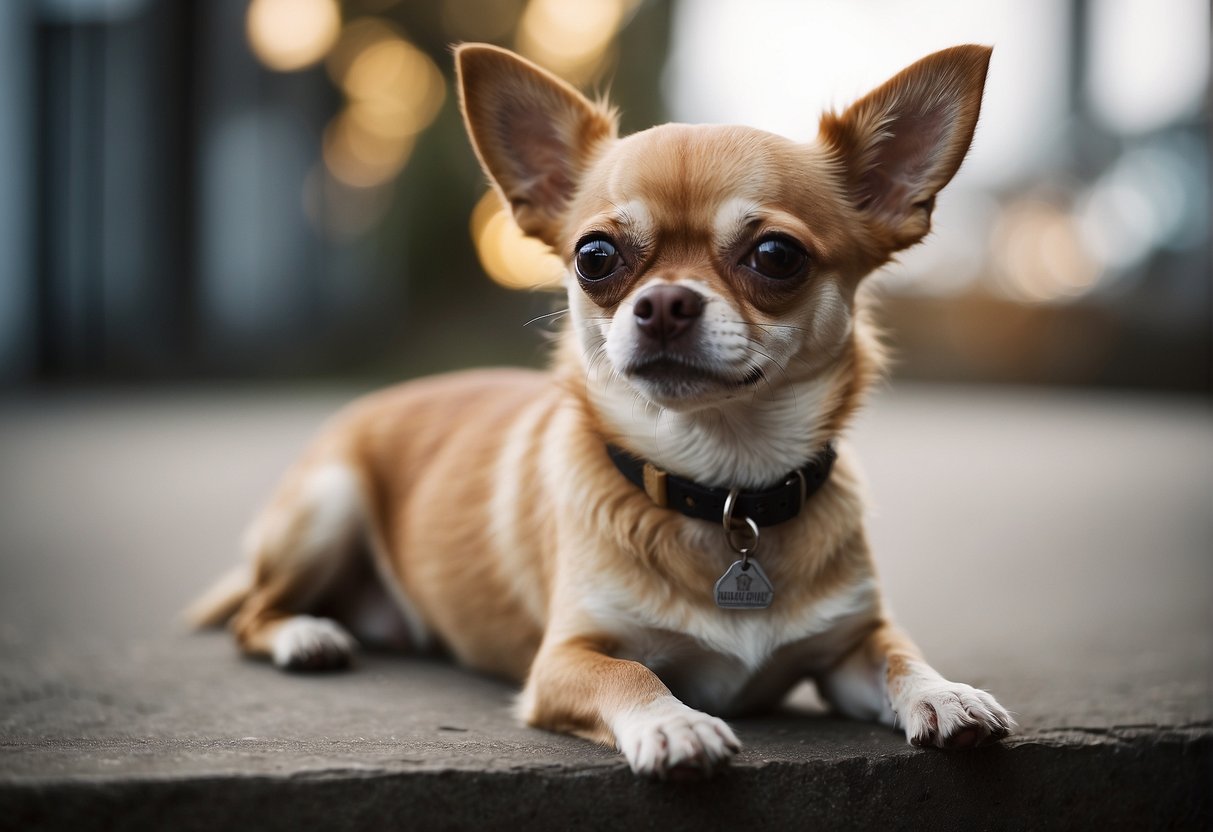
x,y
534,134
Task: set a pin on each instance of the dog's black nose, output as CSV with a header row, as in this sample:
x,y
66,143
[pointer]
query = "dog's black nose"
x,y
665,312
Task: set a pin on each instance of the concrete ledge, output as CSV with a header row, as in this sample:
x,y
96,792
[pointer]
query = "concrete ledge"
x,y
182,734
1146,780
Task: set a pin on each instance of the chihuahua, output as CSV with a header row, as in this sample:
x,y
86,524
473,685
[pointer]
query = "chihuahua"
x,y
667,527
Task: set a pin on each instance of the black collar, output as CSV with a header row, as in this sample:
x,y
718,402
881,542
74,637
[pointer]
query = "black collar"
x,y
767,507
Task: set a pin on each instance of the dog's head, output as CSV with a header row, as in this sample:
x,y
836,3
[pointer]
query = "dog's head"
x,y
705,260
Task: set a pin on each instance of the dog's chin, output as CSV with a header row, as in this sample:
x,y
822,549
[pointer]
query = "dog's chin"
x,y
680,385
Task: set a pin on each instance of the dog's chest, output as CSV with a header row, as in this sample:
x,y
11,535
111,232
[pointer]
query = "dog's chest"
x,y
728,661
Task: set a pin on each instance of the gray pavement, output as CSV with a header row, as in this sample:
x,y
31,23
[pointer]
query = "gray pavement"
x,y
1053,547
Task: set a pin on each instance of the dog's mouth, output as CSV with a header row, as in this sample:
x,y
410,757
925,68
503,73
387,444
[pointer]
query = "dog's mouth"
x,y
676,374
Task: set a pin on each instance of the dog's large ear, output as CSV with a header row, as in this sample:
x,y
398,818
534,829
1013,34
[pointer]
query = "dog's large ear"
x,y
901,143
534,133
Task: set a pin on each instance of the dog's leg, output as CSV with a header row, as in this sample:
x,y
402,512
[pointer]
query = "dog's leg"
x,y
300,546
576,688
886,679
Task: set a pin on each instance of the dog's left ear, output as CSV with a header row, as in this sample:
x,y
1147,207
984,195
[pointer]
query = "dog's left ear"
x,y
535,135
901,143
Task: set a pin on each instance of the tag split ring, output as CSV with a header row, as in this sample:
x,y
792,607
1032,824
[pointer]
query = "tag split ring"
x,y
731,528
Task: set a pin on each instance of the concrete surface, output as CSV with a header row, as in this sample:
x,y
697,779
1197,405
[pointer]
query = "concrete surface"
x,y
1054,548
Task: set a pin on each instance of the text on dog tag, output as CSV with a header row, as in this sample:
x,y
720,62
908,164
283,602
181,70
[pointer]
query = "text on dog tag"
x,y
744,586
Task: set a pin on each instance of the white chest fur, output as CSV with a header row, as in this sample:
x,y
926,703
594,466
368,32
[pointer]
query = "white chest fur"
x,y
726,661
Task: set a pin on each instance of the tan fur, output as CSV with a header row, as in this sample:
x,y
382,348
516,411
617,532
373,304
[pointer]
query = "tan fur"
x,y
487,502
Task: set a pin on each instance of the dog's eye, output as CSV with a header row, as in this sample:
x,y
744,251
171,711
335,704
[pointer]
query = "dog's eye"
x,y
777,258
597,258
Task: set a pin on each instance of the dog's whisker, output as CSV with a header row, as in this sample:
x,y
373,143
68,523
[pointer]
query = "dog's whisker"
x,y
788,383
636,397
769,326
793,357
657,428
591,365
557,313
770,362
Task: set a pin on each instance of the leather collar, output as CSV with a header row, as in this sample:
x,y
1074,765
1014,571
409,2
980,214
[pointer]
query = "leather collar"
x,y
766,507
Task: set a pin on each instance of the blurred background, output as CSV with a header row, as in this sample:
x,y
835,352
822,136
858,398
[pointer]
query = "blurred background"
x,y
228,190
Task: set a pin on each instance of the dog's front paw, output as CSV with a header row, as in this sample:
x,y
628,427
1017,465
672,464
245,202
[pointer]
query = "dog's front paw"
x,y
952,715
667,739
307,643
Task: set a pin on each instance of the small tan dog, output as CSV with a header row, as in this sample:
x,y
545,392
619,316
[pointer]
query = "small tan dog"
x,y
667,525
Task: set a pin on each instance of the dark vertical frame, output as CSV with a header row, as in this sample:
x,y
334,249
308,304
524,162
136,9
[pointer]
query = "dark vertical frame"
x,y
85,149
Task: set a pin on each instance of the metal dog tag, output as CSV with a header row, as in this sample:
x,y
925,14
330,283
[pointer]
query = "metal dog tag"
x,y
744,586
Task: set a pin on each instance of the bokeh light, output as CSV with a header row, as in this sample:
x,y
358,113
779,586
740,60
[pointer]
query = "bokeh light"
x,y
287,35
356,36
360,157
393,90
1039,253
480,20
571,39
509,256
